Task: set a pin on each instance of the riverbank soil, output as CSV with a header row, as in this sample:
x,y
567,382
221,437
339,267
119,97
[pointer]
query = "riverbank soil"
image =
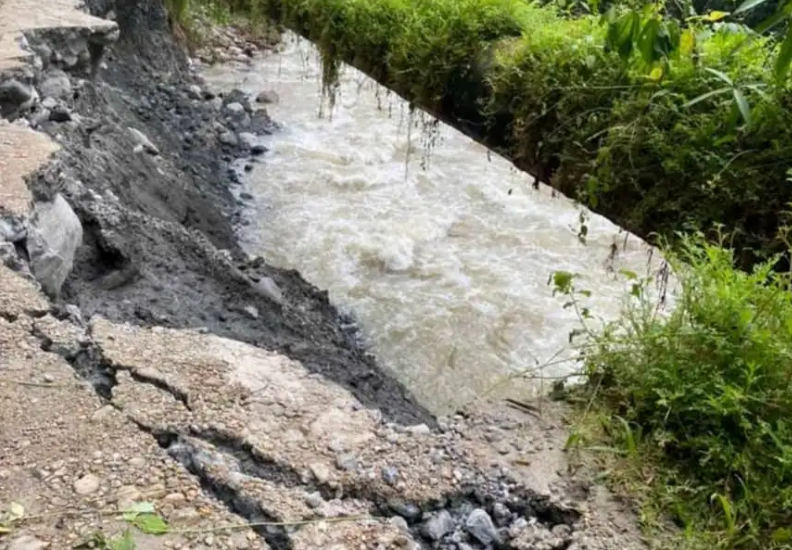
x,y
148,365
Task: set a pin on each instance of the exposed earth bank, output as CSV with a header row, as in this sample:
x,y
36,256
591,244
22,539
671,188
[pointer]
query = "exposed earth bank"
x,y
145,357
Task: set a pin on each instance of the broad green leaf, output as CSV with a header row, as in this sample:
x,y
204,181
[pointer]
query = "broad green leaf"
x,y
705,96
780,15
687,42
562,281
714,16
622,33
742,105
784,56
122,542
630,275
670,37
150,524
721,75
748,4
647,41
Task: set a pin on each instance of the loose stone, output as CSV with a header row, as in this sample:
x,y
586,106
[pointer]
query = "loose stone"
x,y
438,526
86,485
480,526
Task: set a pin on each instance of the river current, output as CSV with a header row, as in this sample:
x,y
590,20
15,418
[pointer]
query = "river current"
x,y
441,249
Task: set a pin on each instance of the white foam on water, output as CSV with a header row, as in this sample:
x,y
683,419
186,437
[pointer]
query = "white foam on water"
x,y
446,267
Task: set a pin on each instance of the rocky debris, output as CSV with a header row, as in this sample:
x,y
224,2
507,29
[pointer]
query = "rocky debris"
x,y
18,295
56,84
295,427
481,528
267,96
251,421
143,143
153,223
58,454
53,237
22,152
233,45
16,97
438,526
228,138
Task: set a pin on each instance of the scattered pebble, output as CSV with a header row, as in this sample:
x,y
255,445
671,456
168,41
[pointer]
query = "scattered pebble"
x,y
86,485
479,525
438,526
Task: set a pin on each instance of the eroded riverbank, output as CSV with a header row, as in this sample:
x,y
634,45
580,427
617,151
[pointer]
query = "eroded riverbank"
x,y
170,369
441,249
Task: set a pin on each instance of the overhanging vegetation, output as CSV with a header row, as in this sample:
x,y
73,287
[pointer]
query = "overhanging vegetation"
x,y
542,90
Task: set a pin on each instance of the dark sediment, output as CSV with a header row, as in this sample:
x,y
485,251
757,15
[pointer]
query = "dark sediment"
x,y
159,246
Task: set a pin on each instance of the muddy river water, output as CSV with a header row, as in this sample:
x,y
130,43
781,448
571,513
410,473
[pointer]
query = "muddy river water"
x,y
440,249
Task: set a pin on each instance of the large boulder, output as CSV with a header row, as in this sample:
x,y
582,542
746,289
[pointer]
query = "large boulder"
x,y
54,235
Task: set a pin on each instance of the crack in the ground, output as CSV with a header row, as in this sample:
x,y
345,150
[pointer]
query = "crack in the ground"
x,y
10,317
500,498
517,500
159,383
197,462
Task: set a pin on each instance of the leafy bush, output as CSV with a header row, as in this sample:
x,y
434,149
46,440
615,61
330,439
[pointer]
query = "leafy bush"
x,y
706,393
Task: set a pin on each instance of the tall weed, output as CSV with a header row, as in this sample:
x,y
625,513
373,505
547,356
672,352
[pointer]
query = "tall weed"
x,y
709,388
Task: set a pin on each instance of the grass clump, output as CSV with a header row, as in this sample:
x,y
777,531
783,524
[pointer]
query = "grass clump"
x,y
697,403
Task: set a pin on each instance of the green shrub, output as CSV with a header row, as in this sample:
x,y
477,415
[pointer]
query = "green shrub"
x,y
706,393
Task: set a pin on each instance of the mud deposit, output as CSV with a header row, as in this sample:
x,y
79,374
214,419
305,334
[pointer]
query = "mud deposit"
x,y
155,218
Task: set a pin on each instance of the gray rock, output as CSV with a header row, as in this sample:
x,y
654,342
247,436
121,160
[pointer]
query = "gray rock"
x,y
390,474
16,94
561,530
143,143
480,526
269,289
248,140
54,235
228,138
56,84
347,461
267,96
195,92
438,526
502,513
86,485
419,429
49,103
39,117
60,114
252,311
314,500
320,471
27,542
235,108
407,510
12,229
399,523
